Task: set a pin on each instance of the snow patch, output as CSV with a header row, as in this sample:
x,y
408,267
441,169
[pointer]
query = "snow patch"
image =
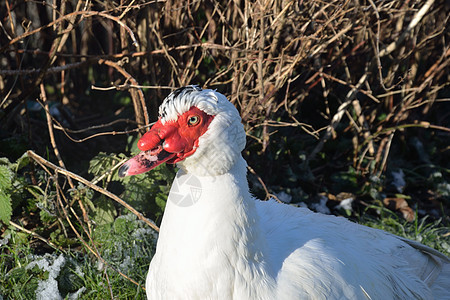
x,y
48,289
321,207
444,189
346,204
100,265
77,294
302,204
398,180
418,145
284,197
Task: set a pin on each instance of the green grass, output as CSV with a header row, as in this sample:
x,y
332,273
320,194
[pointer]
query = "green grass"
x,y
431,233
127,245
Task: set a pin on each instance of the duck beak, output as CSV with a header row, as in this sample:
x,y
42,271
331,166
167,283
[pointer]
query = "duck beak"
x,y
145,161
153,154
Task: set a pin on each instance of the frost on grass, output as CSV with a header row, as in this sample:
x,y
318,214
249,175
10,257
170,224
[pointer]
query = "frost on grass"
x,y
128,244
4,241
49,288
443,189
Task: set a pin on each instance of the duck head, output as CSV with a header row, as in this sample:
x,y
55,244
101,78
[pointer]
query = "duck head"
x,y
199,130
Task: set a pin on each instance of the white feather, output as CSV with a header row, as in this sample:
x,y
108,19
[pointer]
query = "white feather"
x,y
225,244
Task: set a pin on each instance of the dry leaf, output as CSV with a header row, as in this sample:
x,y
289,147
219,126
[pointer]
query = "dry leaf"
x,y
400,204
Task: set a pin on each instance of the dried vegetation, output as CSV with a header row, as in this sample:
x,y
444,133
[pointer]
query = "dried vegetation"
x,y
340,92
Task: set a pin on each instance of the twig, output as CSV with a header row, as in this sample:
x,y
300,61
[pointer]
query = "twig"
x,y
377,45
171,60
94,127
55,149
36,236
101,133
422,124
50,131
337,117
268,194
51,70
86,182
127,86
93,251
69,16
331,40
367,93
66,131
116,166
141,117
414,21
205,46
386,153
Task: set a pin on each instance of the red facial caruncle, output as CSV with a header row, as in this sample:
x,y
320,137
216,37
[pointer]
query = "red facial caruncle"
x,y
170,142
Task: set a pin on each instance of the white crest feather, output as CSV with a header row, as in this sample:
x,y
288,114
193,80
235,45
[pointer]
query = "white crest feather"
x,y
221,145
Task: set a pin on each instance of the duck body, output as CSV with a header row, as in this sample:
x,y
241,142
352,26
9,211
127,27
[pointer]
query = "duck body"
x,y
217,241
234,246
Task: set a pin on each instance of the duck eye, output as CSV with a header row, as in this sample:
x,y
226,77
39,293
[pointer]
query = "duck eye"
x,y
193,120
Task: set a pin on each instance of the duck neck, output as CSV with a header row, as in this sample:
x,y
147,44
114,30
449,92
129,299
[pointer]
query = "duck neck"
x,y
213,209
210,223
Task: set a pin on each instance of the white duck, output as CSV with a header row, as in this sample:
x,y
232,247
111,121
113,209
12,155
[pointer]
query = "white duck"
x,y
217,241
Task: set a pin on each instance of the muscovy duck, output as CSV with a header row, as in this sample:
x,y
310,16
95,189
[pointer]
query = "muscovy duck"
x,y
217,241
